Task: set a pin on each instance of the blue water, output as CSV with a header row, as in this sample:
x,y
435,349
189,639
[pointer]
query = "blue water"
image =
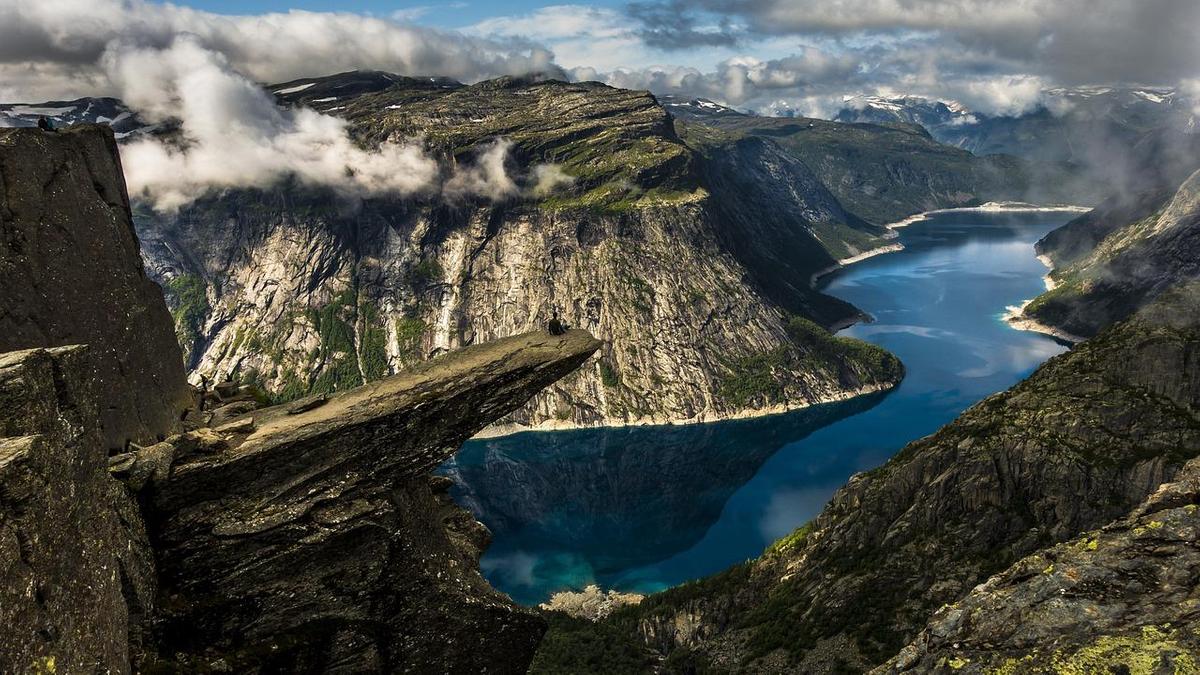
x,y
645,508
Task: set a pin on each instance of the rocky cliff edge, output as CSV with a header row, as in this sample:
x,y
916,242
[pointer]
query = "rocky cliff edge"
x,y
138,533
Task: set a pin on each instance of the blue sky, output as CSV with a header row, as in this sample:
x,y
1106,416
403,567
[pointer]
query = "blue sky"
x,y
442,15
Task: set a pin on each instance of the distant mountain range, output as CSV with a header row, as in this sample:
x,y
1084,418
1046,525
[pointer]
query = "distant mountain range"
x,y
1118,111
108,111
1090,130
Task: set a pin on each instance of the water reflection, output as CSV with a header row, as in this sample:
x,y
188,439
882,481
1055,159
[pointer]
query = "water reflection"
x,y
576,507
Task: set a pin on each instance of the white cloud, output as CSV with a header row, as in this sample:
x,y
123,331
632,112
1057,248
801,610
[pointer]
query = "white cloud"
x,y
547,178
487,176
237,137
579,35
1191,89
65,38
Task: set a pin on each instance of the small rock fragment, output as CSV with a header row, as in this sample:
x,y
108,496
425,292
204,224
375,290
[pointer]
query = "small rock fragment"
x,y
242,426
307,403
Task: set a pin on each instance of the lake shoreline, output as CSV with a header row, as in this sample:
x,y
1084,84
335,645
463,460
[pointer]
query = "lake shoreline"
x,y
657,503
554,426
989,207
1015,317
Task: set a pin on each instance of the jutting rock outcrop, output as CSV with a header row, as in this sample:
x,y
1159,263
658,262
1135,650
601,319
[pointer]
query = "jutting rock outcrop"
x,y
313,541
72,274
305,537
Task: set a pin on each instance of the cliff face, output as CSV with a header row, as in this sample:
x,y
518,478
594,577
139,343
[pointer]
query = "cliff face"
x,y
1080,443
304,292
72,275
307,537
1138,249
76,570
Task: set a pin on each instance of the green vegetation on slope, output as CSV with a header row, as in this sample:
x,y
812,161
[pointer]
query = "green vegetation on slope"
x,y
190,299
767,377
336,355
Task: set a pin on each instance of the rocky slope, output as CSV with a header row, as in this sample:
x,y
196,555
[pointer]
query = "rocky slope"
x,y
1120,595
308,537
881,173
1119,257
1077,445
76,570
303,292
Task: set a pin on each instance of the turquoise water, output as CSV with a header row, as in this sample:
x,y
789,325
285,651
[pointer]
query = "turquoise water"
x,y
645,508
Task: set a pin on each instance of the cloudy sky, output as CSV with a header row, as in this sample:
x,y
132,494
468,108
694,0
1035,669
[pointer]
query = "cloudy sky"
x,y
767,55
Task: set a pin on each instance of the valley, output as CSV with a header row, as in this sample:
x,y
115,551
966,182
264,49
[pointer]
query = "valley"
x,y
788,423
643,509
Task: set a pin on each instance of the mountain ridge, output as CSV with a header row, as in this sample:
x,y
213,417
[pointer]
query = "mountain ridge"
x,y
400,280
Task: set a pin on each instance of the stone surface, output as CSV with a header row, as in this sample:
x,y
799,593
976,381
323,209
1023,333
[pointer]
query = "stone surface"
x,y
315,541
73,275
1118,599
76,572
591,603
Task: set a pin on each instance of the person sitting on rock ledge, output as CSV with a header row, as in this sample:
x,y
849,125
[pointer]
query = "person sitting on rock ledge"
x,y
203,391
556,327
44,124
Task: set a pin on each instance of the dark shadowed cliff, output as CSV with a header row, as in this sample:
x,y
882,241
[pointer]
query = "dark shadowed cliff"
x,y
73,275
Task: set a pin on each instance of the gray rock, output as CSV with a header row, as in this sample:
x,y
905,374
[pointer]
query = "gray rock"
x,y
76,572
307,403
1117,599
316,541
243,425
225,413
150,464
72,275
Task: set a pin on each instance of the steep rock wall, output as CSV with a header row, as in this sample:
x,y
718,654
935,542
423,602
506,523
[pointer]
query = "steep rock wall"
x,y
76,572
73,275
310,300
305,291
